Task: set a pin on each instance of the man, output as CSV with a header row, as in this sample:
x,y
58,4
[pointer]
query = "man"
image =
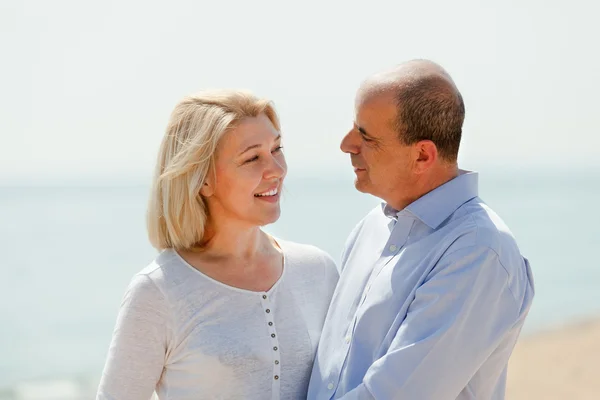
x,y
433,291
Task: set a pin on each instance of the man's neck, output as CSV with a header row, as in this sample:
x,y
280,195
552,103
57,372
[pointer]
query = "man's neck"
x,y
427,183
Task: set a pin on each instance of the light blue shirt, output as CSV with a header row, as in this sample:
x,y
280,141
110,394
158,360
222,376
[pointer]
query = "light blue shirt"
x,y
429,305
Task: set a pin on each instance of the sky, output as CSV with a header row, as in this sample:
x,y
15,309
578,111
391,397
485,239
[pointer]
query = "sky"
x,y
86,88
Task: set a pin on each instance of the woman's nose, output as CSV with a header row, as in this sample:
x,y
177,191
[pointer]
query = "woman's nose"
x,y
277,168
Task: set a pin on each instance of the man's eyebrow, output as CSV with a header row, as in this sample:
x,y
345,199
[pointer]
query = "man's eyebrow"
x,y
362,130
255,146
373,141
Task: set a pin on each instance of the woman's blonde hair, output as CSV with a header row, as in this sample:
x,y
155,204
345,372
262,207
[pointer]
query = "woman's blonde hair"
x,y
177,213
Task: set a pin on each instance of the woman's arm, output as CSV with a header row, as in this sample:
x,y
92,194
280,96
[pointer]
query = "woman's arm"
x,y
136,356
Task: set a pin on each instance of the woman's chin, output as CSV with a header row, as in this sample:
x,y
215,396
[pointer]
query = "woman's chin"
x,y
270,218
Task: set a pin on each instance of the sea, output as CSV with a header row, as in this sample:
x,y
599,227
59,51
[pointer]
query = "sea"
x,y
69,250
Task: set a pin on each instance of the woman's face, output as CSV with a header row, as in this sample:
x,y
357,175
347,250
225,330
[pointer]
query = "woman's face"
x,y
249,169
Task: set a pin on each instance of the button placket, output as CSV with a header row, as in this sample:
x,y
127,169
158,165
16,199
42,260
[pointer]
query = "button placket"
x,y
398,238
268,309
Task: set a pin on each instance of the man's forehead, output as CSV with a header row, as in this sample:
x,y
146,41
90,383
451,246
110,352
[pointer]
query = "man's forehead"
x,y
376,115
374,89
381,102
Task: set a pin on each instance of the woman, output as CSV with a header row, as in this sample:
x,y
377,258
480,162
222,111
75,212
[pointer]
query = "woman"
x,y
225,311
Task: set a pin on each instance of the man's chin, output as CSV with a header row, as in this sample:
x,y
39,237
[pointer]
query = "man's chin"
x,y
361,186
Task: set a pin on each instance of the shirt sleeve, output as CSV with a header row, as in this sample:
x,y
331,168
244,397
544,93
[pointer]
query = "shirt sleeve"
x,y
137,352
457,319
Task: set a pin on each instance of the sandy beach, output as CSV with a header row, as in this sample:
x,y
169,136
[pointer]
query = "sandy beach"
x,y
560,364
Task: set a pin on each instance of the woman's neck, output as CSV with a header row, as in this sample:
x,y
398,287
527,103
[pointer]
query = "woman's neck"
x,y
244,258
233,240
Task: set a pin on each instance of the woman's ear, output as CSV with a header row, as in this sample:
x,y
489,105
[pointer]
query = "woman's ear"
x,y
208,187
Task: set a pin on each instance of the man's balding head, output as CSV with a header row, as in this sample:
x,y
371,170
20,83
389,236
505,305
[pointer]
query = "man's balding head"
x,y
428,104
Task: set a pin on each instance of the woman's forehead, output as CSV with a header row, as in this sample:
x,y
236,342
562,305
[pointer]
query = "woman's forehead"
x,y
250,132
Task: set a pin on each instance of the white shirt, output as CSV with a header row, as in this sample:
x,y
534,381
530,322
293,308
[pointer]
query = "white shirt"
x,y
187,336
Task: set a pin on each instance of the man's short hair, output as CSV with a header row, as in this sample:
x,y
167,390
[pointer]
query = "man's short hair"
x,y
429,108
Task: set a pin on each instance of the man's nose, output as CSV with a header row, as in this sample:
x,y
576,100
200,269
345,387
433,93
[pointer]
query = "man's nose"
x,y
349,144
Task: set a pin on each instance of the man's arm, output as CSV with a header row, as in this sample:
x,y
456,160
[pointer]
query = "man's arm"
x,y
456,320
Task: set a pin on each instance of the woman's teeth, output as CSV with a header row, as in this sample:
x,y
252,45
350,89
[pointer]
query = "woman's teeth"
x,y
269,193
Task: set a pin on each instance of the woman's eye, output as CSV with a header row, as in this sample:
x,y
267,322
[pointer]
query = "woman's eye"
x,y
275,150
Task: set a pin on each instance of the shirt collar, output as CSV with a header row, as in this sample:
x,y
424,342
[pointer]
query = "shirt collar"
x,y
436,206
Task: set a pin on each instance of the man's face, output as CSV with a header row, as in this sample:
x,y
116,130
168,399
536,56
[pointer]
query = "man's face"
x,y
382,163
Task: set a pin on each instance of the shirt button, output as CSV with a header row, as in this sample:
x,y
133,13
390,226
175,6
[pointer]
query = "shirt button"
x,y
268,311
270,324
264,296
275,348
347,339
272,335
330,386
393,247
276,362
276,377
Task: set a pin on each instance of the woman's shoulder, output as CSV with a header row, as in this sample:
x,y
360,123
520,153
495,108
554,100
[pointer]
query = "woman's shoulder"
x,y
306,255
165,274
309,267
303,251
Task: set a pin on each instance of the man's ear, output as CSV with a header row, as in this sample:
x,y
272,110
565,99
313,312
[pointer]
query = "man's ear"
x,y
426,154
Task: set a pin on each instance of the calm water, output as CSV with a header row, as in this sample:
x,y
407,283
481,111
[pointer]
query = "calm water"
x,y
69,252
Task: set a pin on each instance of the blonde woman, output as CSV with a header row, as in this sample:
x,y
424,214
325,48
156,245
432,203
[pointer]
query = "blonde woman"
x,y
225,311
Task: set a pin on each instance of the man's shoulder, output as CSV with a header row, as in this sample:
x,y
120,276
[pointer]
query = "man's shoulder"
x,y
477,225
479,230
